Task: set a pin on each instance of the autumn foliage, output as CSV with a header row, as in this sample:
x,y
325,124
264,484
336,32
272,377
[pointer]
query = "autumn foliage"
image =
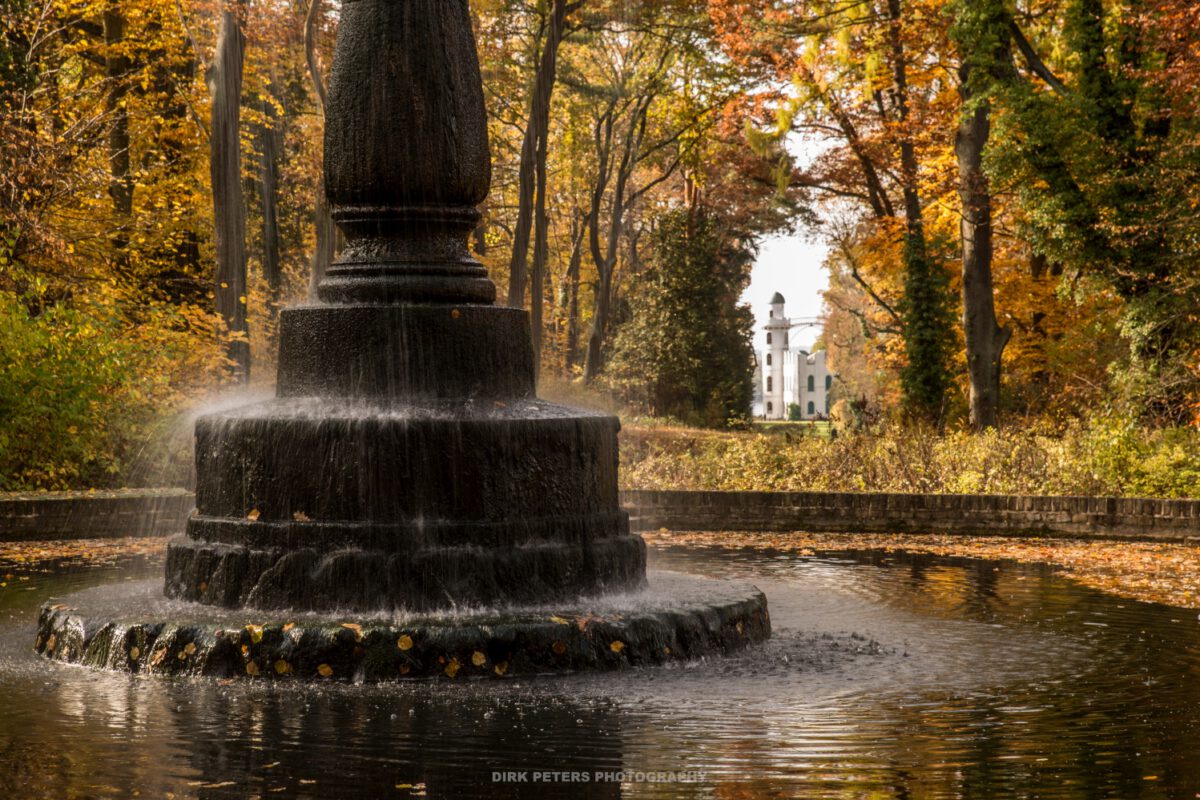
x,y
1009,194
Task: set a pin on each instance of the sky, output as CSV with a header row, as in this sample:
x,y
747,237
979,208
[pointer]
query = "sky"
x,y
793,265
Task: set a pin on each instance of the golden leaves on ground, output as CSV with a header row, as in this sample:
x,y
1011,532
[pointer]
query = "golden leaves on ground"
x,y
1153,572
325,671
405,642
76,552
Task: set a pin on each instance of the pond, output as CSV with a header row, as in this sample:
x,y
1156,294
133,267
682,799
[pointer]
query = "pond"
x,y
889,675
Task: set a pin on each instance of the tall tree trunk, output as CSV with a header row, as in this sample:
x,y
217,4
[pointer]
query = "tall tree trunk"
x,y
120,183
270,143
326,231
926,377
985,339
229,210
532,169
540,247
573,267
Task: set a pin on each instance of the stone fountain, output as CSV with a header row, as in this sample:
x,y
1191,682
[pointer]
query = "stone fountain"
x,y
405,506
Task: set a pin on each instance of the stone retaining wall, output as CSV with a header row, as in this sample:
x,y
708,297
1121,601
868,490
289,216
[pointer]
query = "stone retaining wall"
x,y
84,515
853,512
69,515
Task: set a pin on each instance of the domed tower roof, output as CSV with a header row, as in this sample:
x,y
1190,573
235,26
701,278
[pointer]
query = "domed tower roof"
x,y
776,298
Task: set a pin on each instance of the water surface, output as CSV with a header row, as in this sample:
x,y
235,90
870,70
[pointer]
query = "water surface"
x,y
889,676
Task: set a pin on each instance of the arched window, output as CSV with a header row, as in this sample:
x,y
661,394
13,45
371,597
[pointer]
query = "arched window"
x,y
768,359
768,383
812,409
769,408
768,337
811,385
828,382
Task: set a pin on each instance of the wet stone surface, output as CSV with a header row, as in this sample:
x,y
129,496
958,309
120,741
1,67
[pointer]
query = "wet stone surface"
x,y
131,628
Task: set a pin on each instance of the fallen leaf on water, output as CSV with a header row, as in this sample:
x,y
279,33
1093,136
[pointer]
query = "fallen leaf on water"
x,y
252,668
500,668
324,670
288,627
405,669
354,626
282,667
272,765
559,648
478,658
308,781
560,620
134,652
256,633
405,642
452,668
617,646
254,514
300,516
189,648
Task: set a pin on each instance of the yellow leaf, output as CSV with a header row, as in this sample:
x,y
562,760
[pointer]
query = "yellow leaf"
x,y
354,626
189,648
282,667
300,516
405,669
252,668
288,627
617,646
325,670
560,620
500,668
253,515
452,668
478,659
256,633
134,652
405,642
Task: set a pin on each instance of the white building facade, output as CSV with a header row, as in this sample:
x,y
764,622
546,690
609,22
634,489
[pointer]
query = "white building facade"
x,y
790,377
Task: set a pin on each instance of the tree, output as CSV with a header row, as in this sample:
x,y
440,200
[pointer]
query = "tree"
x,y
982,34
685,353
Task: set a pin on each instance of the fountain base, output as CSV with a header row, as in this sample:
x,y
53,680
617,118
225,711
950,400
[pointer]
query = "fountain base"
x,y
677,617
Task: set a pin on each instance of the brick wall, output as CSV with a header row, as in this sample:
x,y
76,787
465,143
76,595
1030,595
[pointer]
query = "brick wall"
x,y
854,512
78,515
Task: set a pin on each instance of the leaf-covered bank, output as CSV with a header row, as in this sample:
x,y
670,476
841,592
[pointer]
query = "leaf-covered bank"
x,y
1101,457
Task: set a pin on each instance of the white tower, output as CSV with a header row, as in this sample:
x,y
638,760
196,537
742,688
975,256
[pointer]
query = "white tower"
x,y
774,402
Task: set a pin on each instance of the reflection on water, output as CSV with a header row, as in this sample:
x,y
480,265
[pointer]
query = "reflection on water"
x,y
890,676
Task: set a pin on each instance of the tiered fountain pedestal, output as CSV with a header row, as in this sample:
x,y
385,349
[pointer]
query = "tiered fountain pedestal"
x,y
406,506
